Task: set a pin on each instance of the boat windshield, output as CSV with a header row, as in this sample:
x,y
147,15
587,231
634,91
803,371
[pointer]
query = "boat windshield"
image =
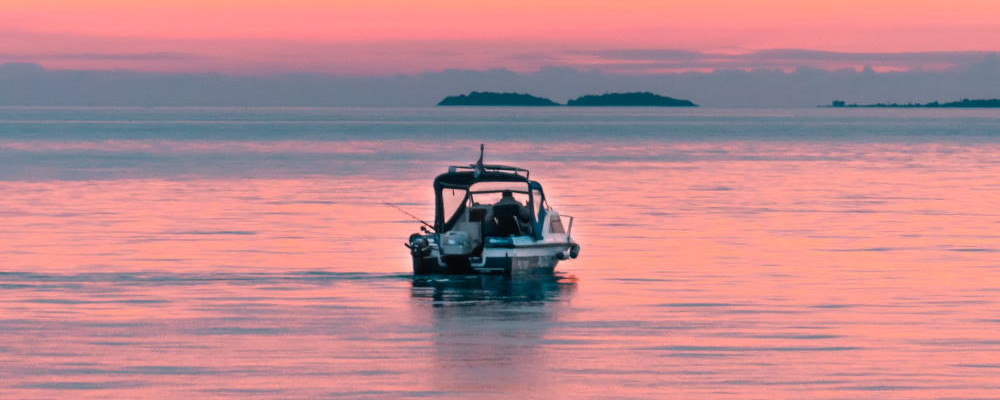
x,y
486,193
455,201
452,200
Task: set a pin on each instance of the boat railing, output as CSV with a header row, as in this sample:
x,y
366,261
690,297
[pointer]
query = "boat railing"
x,y
569,227
491,167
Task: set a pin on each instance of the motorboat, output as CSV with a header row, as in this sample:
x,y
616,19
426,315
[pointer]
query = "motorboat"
x,y
491,219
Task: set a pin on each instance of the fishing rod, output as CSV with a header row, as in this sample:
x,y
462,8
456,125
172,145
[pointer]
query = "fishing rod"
x,y
408,214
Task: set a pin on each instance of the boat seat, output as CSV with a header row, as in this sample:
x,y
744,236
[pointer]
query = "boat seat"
x,y
477,213
506,219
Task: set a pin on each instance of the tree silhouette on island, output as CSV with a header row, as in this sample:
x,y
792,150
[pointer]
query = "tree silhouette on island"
x,y
964,103
634,99
496,99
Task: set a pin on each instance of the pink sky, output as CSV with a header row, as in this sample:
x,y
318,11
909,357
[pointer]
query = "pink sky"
x,y
392,36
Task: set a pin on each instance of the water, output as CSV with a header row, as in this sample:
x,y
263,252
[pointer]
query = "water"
x,y
245,253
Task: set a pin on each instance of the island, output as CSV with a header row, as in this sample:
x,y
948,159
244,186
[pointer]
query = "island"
x,y
634,99
496,99
964,103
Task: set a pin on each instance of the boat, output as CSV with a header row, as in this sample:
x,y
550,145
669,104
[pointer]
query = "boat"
x,y
491,219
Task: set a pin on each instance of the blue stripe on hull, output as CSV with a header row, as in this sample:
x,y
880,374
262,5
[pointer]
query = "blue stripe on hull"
x,y
493,265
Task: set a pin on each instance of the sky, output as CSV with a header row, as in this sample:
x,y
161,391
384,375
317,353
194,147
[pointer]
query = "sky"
x,y
383,37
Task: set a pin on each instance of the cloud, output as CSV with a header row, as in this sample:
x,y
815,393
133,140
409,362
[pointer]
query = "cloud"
x,y
153,56
644,54
148,56
255,56
907,60
30,84
638,60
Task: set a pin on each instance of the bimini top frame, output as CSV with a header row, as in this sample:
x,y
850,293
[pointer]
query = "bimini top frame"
x,y
490,168
463,177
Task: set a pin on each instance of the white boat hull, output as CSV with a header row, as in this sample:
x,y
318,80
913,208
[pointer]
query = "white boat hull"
x,y
534,258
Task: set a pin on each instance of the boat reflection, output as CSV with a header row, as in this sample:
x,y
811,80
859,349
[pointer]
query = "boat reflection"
x,y
456,290
491,330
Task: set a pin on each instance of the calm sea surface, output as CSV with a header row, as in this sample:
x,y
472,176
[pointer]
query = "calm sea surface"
x,y
727,254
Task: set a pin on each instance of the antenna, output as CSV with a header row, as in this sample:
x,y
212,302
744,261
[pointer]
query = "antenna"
x,y
479,164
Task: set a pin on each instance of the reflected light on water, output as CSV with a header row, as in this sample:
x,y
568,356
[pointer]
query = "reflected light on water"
x,y
154,268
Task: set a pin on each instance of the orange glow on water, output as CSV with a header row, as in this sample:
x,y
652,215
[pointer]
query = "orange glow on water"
x,y
777,270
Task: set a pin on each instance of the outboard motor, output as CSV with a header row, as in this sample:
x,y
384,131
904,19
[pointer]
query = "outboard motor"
x,y
419,246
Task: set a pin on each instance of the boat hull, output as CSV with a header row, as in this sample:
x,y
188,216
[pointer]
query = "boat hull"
x,y
509,261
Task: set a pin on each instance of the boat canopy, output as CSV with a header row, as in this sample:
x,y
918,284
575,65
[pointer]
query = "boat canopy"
x,y
463,178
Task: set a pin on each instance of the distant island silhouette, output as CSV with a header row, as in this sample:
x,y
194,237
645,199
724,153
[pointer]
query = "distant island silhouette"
x,y
633,99
496,99
964,103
